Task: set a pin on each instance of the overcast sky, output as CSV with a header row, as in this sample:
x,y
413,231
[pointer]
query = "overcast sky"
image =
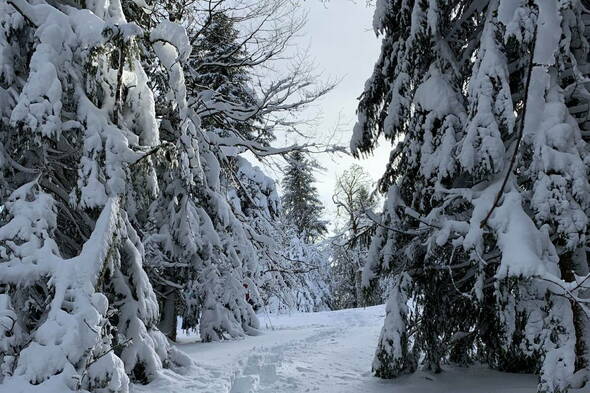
x,y
343,46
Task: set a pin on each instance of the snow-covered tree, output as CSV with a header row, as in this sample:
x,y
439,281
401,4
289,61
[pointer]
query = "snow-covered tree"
x,y
201,253
298,279
296,268
302,206
213,226
485,223
76,116
106,169
349,247
309,272
226,99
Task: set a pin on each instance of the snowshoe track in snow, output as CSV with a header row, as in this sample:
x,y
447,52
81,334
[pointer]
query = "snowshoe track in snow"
x,y
326,352
264,370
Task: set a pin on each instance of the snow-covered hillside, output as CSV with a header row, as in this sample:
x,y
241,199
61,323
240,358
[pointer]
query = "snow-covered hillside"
x,y
327,352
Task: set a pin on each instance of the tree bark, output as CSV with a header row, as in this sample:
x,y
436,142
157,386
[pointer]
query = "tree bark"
x,y
572,264
168,315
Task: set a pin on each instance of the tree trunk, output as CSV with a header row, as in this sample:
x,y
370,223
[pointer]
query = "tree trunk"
x,y
168,315
358,289
573,264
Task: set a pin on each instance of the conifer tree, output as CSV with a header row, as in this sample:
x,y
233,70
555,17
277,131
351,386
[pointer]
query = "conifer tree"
x,y
226,100
194,246
106,170
213,228
486,214
300,200
77,114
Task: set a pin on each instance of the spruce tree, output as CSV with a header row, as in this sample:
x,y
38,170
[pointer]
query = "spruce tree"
x,y
200,251
300,200
214,239
486,213
76,115
220,72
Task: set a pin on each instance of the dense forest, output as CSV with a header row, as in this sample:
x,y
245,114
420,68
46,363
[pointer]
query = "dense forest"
x,y
158,185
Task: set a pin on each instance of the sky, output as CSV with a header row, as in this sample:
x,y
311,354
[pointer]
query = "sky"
x,y
343,46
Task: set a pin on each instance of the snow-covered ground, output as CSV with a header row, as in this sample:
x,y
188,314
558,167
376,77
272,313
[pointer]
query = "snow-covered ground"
x,y
327,352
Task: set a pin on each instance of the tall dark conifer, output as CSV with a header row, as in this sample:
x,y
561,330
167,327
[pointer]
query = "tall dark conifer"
x,y
485,222
300,199
77,117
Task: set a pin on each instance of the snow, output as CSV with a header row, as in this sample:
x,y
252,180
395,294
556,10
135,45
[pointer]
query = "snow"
x,y
381,10
435,94
327,352
506,11
174,34
549,32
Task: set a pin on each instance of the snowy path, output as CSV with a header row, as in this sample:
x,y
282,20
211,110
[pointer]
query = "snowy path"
x,y
327,352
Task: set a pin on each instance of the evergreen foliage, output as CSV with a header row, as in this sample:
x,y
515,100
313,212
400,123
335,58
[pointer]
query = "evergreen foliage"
x,y
301,203
77,114
217,240
125,205
485,222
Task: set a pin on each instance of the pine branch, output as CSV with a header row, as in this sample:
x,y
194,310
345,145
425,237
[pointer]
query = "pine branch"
x,y
21,10
119,84
151,152
112,348
500,193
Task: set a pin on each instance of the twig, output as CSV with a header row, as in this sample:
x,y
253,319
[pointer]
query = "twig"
x,y
123,344
90,327
151,152
392,229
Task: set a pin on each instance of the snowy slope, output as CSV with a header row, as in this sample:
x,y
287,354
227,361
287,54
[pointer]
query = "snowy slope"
x,y
327,352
